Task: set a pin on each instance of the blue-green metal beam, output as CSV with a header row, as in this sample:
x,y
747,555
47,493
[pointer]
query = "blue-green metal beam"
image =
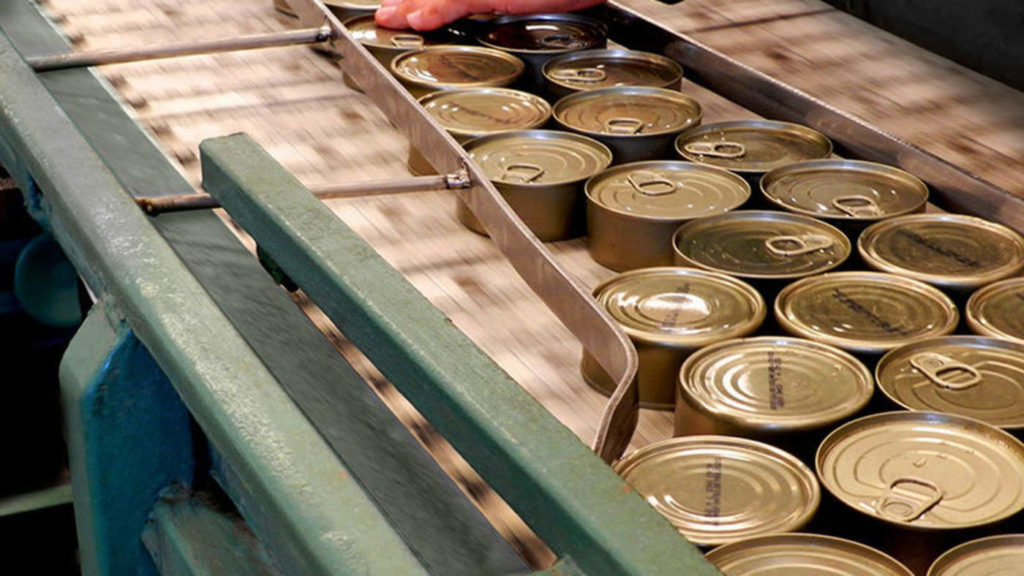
x,y
560,488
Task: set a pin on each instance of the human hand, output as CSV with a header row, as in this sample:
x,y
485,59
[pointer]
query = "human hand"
x,y
432,14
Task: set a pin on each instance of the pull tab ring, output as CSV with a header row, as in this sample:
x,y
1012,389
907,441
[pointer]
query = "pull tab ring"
x,y
651,185
584,75
902,504
856,205
939,368
722,149
789,246
626,126
413,41
533,172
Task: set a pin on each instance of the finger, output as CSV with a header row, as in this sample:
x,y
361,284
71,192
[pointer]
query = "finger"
x,y
429,14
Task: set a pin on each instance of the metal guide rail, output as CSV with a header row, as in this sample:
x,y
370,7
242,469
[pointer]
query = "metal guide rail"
x,y
267,457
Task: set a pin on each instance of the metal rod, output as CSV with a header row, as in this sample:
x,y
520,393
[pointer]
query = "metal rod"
x,y
185,202
138,54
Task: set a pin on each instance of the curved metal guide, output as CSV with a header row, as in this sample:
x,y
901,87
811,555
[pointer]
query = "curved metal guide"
x,y
570,301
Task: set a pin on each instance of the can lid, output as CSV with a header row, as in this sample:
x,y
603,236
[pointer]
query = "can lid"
x,y
775,384
867,312
472,112
803,555
544,33
628,111
538,157
681,307
457,67
596,69
845,189
947,250
993,556
995,310
718,489
365,30
667,190
752,145
924,470
973,376
761,244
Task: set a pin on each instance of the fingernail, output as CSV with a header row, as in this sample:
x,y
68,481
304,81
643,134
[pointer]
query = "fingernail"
x,y
415,19
384,13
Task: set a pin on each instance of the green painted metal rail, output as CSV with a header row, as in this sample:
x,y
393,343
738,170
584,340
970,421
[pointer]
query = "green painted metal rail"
x,y
560,488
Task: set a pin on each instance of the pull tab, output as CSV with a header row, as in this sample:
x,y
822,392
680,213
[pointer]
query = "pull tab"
x,y
856,205
412,41
651,185
623,125
585,75
789,246
558,41
908,498
716,149
532,172
939,368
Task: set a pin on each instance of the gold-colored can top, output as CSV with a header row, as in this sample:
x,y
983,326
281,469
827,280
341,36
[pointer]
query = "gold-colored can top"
x,y
719,489
924,470
992,556
628,111
538,157
775,384
597,69
997,310
766,245
365,30
447,67
948,250
752,146
544,33
668,190
846,190
803,555
867,312
973,376
473,112
681,307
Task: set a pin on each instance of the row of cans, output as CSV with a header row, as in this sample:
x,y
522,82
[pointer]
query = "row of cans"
x,y
911,483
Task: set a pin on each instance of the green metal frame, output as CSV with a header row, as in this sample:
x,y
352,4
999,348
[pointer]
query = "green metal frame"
x,y
560,488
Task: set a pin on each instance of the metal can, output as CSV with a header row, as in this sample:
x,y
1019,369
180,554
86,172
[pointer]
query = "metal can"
x,y
803,555
538,38
474,112
540,173
668,313
752,147
993,556
997,310
982,378
951,251
922,478
596,69
636,122
720,489
784,391
864,312
845,192
760,245
448,67
385,43
634,209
